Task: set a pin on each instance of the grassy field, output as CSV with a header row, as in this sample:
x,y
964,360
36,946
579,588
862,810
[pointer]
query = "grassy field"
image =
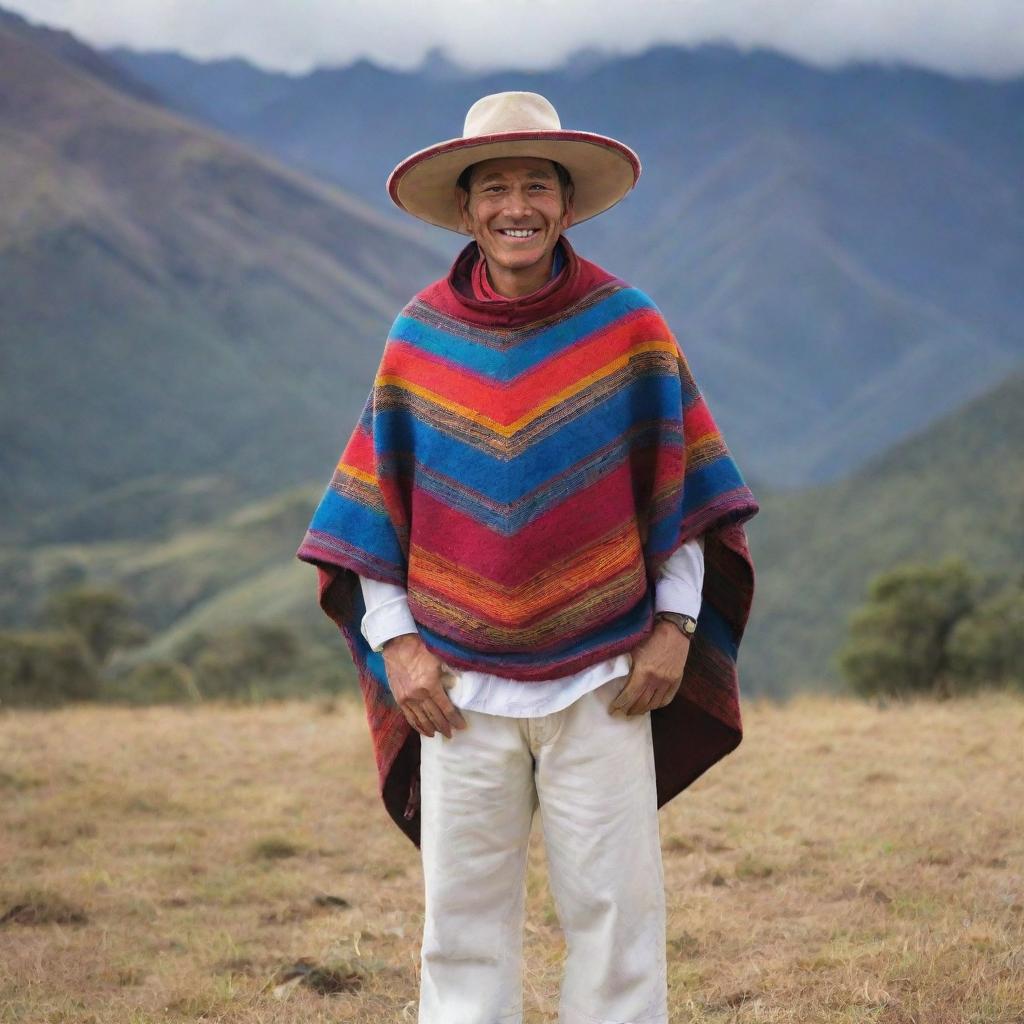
x,y
847,863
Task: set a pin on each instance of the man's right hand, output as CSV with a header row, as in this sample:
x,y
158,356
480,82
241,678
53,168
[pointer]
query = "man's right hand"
x,y
414,675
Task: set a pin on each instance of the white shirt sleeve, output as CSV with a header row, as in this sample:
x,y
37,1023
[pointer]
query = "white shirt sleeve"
x,y
387,612
679,584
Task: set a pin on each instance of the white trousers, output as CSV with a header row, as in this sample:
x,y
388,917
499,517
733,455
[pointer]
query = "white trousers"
x,y
592,776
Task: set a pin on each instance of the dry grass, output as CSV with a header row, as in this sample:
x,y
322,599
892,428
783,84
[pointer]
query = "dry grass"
x,y
846,864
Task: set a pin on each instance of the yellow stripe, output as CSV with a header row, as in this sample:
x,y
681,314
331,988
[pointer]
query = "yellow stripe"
x,y
538,410
359,474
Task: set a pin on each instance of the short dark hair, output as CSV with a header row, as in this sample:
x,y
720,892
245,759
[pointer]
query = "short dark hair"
x,y
564,177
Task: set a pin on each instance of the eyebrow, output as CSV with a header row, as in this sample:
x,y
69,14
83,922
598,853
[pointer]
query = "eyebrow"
x,y
498,175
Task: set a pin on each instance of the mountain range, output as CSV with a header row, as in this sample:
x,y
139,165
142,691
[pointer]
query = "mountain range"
x,y
840,251
198,267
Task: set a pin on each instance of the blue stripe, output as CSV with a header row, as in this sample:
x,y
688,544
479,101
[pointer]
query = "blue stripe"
x,y
504,365
715,629
507,481
359,525
508,522
700,487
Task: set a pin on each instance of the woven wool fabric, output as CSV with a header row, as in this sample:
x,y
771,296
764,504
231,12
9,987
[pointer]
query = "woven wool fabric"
x,y
523,467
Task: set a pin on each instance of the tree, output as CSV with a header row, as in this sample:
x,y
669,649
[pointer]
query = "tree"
x,y
45,668
99,615
987,646
237,662
899,640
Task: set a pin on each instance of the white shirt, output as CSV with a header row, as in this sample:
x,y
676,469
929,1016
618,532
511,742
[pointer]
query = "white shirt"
x,y
678,589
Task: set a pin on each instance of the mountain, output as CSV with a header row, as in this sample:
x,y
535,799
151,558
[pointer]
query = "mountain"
x,y
840,251
172,302
956,489
71,51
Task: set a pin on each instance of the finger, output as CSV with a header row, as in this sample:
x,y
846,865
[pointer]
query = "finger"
x,y
417,720
627,696
451,713
657,697
433,714
642,702
668,696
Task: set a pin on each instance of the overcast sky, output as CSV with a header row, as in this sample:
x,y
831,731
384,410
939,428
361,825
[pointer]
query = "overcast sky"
x,y
982,37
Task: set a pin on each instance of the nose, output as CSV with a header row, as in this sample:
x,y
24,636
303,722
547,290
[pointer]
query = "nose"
x,y
517,202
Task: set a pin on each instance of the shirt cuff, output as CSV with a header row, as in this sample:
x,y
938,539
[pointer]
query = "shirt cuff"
x,y
681,581
387,612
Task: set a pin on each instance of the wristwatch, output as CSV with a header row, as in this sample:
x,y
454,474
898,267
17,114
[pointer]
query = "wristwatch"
x,y
686,624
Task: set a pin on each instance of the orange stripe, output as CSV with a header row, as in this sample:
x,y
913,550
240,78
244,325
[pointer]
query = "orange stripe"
x,y
612,555
495,397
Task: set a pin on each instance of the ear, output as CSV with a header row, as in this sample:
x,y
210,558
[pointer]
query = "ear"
x,y
569,213
462,202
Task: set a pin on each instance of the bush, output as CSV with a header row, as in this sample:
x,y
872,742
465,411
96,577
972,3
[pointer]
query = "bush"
x,y
154,682
987,646
99,615
899,640
45,668
237,662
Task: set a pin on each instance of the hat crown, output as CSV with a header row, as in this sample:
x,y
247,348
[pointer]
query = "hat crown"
x,y
510,112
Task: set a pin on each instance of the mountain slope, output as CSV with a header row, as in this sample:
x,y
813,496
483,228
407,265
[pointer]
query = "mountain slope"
x,y
957,489
172,302
834,247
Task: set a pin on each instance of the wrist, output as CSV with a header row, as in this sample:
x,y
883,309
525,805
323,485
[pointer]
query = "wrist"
x,y
400,641
685,625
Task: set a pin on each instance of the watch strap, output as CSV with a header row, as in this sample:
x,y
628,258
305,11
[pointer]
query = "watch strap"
x,y
686,624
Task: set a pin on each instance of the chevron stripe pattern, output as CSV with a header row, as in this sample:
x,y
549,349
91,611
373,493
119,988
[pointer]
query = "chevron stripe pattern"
x,y
525,483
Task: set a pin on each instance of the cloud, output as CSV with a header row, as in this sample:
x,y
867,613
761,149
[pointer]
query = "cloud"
x,y
979,37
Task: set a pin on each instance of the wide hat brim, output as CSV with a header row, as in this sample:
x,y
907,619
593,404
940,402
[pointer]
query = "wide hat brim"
x,y
603,171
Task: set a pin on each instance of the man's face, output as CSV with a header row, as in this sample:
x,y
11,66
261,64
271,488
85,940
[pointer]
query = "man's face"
x,y
515,210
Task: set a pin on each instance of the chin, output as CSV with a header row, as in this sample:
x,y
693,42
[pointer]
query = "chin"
x,y
521,260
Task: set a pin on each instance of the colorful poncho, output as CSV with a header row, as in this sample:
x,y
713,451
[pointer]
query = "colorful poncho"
x,y
523,467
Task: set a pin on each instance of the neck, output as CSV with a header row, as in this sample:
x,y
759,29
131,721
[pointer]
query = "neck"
x,y
515,283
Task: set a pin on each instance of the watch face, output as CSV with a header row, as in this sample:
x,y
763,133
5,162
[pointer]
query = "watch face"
x,y
690,626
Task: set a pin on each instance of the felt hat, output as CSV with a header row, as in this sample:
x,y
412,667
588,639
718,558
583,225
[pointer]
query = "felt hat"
x,y
513,124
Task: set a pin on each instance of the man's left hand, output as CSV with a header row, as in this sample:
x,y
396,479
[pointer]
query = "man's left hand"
x,y
657,671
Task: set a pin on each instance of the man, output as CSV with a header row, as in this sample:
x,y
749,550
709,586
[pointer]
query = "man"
x,y
533,544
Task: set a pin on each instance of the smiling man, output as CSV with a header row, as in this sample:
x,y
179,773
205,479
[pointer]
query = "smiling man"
x,y
533,544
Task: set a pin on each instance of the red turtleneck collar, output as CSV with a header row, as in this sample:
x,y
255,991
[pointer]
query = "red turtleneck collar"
x,y
467,294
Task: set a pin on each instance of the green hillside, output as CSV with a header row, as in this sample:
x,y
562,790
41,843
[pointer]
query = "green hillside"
x,y
955,489
172,303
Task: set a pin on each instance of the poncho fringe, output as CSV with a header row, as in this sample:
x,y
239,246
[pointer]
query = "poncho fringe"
x,y
523,468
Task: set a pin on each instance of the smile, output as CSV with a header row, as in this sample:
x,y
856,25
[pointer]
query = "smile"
x,y
518,232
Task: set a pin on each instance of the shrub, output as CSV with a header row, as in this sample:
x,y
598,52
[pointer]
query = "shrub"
x,y
154,682
899,640
45,668
987,646
99,615
236,662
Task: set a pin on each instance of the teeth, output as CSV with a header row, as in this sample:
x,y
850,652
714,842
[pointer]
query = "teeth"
x,y
519,232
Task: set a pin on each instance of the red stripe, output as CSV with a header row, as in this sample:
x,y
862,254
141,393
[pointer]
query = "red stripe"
x,y
508,401
359,452
586,515
697,421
